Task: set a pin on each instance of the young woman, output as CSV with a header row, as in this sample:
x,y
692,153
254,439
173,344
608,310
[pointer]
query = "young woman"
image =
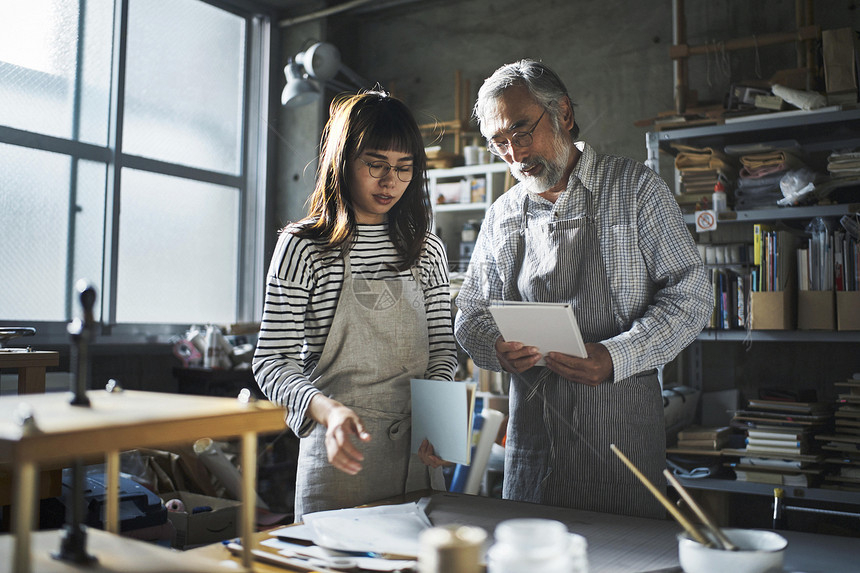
x,y
357,304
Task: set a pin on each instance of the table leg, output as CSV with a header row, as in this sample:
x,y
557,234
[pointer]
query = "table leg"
x,y
112,493
249,496
23,513
31,380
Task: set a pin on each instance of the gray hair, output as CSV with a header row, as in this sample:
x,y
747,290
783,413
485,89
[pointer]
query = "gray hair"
x,y
543,84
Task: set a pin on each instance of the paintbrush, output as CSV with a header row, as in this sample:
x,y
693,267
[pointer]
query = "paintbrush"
x,y
676,513
709,523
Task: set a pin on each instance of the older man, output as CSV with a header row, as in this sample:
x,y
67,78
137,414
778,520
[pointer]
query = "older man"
x,y
604,234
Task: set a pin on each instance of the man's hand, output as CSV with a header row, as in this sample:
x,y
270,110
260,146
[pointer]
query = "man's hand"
x,y
515,357
428,456
594,370
341,424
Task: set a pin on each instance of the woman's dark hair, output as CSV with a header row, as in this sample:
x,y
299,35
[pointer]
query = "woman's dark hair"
x,y
368,120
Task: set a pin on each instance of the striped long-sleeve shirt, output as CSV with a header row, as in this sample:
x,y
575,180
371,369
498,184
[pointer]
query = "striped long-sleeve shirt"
x,y
302,290
660,293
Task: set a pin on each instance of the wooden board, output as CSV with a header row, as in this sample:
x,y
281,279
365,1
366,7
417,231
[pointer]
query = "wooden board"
x,y
124,420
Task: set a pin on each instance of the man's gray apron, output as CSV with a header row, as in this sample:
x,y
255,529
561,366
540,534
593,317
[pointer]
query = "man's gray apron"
x,y
378,341
557,449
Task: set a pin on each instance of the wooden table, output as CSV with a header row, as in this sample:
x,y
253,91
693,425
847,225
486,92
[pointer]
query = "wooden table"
x,y
31,367
115,422
616,543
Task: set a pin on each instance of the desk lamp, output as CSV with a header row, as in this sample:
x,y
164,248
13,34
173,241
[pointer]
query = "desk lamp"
x,y
320,62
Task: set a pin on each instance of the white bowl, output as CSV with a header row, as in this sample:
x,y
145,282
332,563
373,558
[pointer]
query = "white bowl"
x,y
759,551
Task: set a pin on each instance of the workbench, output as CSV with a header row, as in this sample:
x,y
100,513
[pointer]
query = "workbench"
x,y
616,543
37,429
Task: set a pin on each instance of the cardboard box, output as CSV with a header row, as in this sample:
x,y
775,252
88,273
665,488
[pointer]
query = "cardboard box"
x,y
208,526
816,310
848,310
772,310
838,54
446,193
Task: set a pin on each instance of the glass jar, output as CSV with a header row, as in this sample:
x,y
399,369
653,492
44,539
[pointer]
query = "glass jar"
x,y
528,545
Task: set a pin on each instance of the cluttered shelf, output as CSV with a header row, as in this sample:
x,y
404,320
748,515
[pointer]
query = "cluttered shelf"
x,y
782,443
814,129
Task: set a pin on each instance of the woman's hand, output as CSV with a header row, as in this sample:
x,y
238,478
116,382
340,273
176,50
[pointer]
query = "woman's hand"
x,y
428,456
341,424
516,357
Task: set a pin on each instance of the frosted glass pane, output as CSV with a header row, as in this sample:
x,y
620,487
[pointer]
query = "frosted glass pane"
x,y
177,250
38,52
185,72
34,212
88,258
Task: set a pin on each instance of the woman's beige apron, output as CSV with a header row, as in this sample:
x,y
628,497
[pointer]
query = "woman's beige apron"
x,y
557,449
378,341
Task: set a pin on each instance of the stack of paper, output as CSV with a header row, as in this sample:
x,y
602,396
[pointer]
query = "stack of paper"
x,y
842,446
779,445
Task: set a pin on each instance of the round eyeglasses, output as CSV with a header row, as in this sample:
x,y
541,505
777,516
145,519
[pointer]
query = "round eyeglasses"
x,y
379,169
521,139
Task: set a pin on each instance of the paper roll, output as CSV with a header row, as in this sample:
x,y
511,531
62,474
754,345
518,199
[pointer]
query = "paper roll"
x,y
486,437
228,475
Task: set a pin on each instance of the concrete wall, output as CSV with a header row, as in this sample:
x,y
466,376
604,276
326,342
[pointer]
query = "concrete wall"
x,y
613,55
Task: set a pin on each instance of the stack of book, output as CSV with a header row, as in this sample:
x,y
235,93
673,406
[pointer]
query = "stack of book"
x,y
697,439
842,447
699,169
779,445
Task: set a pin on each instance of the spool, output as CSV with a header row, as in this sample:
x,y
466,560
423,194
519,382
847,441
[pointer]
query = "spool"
x,y
451,549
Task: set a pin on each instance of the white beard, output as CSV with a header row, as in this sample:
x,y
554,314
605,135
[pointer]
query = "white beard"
x,y
553,168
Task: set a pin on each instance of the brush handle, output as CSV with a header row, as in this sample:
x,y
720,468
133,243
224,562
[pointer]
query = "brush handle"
x,y
676,513
718,533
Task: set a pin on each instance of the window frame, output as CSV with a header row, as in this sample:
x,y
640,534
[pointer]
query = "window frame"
x,y
252,183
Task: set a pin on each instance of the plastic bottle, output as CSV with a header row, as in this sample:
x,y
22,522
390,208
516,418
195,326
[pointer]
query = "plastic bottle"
x,y
719,198
213,358
528,545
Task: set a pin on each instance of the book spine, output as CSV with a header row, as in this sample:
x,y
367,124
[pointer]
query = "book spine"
x,y
771,442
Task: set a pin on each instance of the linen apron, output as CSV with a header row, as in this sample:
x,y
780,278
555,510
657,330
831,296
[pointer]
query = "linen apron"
x,y
378,341
559,432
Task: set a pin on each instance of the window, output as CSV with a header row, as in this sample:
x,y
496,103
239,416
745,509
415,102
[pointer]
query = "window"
x,y
127,130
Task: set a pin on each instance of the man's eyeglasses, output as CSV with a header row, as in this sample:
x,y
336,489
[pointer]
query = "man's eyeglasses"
x,y
379,169
522,139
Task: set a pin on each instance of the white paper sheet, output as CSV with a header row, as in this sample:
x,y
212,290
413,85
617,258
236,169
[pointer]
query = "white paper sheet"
x,y
387,529
442,412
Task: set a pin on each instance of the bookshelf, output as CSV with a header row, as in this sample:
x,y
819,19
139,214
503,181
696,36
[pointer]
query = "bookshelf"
x,y
741,361
817,133
450,217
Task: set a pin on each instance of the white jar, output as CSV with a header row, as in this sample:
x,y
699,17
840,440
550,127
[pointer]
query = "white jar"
x,y
530,545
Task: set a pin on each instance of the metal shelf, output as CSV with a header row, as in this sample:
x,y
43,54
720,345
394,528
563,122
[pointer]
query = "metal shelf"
x,y
797,125
779,336
780,213
766,489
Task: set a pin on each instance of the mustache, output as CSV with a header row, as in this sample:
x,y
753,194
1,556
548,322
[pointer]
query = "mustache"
x,y
522,167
